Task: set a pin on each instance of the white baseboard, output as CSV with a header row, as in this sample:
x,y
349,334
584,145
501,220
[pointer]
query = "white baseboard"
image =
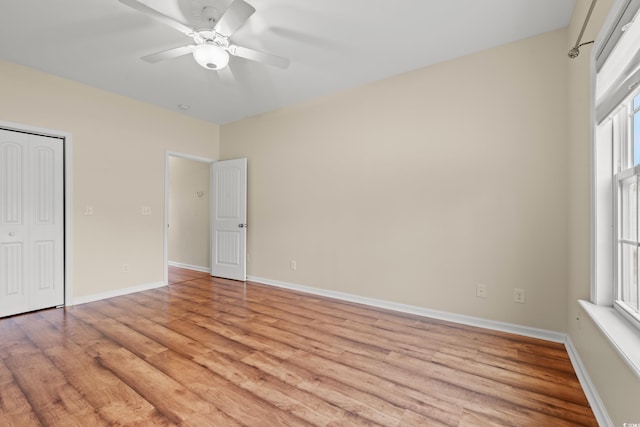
x,y
421,311
189,267
597,406
117,293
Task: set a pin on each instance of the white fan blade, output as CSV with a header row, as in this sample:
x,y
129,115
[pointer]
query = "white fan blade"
x,y
255,55
168,54
226,76
158,16
234,17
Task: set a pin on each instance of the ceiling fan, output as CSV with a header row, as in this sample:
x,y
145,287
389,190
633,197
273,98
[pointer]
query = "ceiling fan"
x,y
212,45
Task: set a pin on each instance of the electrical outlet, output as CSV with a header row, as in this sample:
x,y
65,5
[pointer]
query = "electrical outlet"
x,y
293,265
125,268
146,210
518,296
481,291
88,210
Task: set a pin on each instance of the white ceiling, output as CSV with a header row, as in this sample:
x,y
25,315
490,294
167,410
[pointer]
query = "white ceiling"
x,y
332,45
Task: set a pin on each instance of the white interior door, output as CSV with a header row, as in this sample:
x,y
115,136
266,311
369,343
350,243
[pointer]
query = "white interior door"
x,y
31,222
229,219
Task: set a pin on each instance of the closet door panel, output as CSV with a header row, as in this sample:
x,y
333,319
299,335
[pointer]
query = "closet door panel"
x,y
46,222
14,234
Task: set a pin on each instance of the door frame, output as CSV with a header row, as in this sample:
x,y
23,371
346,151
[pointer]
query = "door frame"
x,y
166,202
67,167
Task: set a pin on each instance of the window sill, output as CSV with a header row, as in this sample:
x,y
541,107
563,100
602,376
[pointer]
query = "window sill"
x,y
624,336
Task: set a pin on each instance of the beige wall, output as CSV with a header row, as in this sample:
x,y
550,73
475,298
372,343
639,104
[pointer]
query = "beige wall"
x,y
119,150
416,188
618,387
189,224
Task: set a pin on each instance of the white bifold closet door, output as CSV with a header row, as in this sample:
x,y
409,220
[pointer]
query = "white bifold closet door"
x,y
31,222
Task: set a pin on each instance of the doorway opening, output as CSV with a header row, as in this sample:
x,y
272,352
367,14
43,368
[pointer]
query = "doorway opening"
x,y
187,212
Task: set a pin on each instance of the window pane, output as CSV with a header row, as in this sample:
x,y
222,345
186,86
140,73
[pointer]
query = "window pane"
x,y
631,296
629,208
629,273
636,101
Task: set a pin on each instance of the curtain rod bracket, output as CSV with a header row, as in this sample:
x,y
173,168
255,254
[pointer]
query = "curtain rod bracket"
x,y
575,50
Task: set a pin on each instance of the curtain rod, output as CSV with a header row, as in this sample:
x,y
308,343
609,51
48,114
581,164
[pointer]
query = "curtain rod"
x,y
575,50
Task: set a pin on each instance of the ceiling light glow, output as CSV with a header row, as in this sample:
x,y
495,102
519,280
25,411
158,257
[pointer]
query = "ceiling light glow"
x,y
210,56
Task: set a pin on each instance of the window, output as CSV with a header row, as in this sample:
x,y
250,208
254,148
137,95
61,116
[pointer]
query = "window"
x,y
616,167
625,129
615,209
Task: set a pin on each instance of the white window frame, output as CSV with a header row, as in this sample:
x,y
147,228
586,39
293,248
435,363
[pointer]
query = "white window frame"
x,y
615,66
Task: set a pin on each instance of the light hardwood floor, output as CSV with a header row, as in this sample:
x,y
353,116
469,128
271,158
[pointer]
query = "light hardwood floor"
x,y
212,352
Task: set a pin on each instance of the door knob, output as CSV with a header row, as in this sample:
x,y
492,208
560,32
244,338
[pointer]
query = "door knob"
x,y
242,225
12,234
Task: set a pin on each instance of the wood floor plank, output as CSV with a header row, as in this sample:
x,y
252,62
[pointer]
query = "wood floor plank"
x,y
128,338
115,401
371,383
337,393
54,401
229,396
166,394
283,394
301,325
15,409
208,320
494,391
524,381
179,275
255,326
410,418
214,352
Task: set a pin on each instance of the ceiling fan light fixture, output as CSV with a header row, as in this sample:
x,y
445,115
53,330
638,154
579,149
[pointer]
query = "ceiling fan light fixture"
x,y
210,56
